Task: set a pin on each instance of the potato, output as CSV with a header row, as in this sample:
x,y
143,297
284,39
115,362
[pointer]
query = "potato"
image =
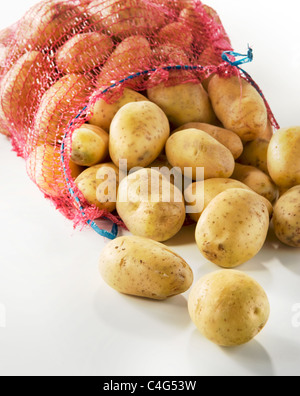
x,y
269,132
167,54
228,307
194,149
228,138
59,105
183,103
102,113
256,154
257,180
89,145
99,185
138,133
238,106
126,18
20,89
286,217
233,228
83,52
283,157
199,194
176,33
144,268
132,55
162,165
45,169
150,206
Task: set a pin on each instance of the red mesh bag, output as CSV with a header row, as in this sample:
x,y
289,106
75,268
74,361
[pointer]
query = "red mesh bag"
x,y
63,57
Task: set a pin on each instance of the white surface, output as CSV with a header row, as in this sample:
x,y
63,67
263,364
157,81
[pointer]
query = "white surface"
x,y
57,317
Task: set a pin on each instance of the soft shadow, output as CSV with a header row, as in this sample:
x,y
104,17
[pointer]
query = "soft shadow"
x,y
250,359
185,236
142,316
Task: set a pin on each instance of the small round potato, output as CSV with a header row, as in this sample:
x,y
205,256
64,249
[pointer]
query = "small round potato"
x,y
138,133
144,268
83,52
102,113
229,307
257,180
233,228
256,154
99,185
286,217
228,138
183,103
238,106
45,169
150,205
89,145
193,148
284,158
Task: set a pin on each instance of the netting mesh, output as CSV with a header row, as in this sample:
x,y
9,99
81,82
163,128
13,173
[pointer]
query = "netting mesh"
x,y
63,56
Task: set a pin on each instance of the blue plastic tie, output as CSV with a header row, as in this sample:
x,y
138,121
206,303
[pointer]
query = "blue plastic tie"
x,y
245,58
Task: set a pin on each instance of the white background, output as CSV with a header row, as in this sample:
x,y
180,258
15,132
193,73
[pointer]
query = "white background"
x,y
60,317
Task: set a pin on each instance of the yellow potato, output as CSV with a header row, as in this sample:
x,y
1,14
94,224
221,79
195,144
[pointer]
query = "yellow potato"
x,y
20,89
132,55
150,206
283,157
228,307
45,169
60,105
269,132
89,145
199,194
99,185
238,106
256,154
126,18
286,217
138,133
102,113
176,33
257,180
144,268
183,103
233,228
228,138
194,149
83,52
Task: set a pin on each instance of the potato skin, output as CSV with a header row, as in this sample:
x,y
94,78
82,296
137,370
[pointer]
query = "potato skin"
x,y
256,154
233,228
138,133
194,148
257,180
144,268
144,209
283,157
238,106
102,113
183,103
286,219
228,138
228,307
99,185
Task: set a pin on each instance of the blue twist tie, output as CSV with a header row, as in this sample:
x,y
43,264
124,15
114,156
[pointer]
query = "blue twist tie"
x,y
246,58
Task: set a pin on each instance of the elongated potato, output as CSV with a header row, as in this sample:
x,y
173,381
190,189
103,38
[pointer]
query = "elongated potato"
x,y
228,138
183,103
233,228
138,134
256,154
238,106
193,148
83,52
45,169
150,205
20,89
59,105
144,268
283,157
176,33
102,113
99,185
257,180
